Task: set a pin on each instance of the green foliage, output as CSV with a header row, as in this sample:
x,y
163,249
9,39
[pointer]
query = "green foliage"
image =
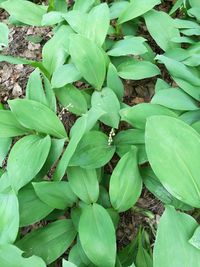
x,y
76,154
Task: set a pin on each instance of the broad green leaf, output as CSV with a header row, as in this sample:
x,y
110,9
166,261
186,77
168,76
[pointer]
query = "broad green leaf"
x,y
88,59
52,18
97,25
136,8
137,70
83,6
65,74
190,117
57,195
175,228
117,8
12,256
52,56
174,99
194,12
77,21
156,21
25,11
153,184
72,99
179,70
195,239
9,126
34,88
108,102
194,3
130,45
176,6
4,31
5,144
39,89
31,208
161,85
97,235
26,159
114,82
67,264
131,137
9,214
137,115
38,117
84,183
167,142
78,256
93,151
49,242
125,182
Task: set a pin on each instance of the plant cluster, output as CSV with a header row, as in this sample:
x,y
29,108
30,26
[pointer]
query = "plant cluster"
x,y
60,180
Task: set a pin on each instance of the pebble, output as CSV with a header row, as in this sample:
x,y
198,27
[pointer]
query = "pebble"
x,y
17,90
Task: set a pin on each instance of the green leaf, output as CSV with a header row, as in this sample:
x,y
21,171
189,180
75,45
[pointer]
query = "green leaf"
x,y
124,140
167,141
36,92
84,183
116,8
5,144
194,12
52,56
108,102
175,228
25,11
57,195
78,256
143,259
31,208
137,70
125,182
65,74
9,126
9,214
194,3
52,18
114,82
97,235
49,242
195,239
89,59
38,117
93,151
156,21
4,31
83,6
72,99
68,264
21,166
174,99
179,70
136,8
130,45
97,24
137,115
12,256
153,184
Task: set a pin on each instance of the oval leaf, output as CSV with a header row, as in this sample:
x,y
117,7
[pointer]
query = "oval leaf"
x,y
125,182
38,117
177,167
97,236
26,159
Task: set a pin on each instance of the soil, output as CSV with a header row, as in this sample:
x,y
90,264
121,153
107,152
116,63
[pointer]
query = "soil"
x,y
13,80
